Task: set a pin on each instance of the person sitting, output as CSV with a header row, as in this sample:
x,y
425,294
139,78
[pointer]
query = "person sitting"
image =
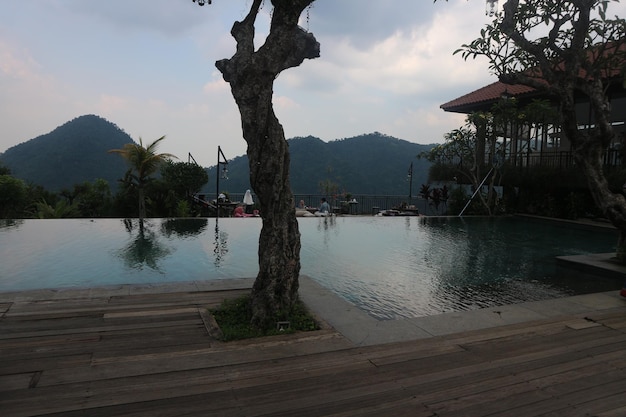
x,y
324,209
302,210
239,211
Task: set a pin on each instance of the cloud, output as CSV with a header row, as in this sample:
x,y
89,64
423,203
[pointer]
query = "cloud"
x,y
148,66
360,23
393,84
135,16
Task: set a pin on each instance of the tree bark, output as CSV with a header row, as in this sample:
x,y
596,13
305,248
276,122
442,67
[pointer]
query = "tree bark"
x,y
251,75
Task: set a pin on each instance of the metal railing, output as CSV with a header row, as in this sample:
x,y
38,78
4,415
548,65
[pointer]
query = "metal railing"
x,y
557,159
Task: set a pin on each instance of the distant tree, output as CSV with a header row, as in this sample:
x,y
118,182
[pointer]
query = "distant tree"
x,y
13,196
458,152
171,193
144,162
327,186
93,199
186,179
61,209
125,199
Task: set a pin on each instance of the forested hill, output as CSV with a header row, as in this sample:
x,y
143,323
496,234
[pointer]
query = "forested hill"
x,y
367,164
77,152
71,154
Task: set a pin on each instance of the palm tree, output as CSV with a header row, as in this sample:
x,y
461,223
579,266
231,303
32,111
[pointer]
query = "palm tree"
x,y
143,162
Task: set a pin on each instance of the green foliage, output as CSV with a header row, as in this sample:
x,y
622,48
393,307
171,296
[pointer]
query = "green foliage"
x,y
143,162
91,199
62,209
185,179
234,318
457,200
328,188
125,200
183,209
13,197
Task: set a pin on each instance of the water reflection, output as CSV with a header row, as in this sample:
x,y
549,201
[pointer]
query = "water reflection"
x,y
144,249
326,222
389,267
325,225
183,227
10,223
220,246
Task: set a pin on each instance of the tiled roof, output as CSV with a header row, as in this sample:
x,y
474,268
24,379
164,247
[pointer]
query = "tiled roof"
x,y
485,96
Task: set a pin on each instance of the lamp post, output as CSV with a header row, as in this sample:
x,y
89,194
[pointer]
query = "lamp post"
x,y
410,178
221,160
491,7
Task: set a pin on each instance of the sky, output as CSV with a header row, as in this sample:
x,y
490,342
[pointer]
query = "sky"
x,y
149,67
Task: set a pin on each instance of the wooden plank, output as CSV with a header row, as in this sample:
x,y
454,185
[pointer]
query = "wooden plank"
x,y
50,363
16,381
102,328
152,313
153,357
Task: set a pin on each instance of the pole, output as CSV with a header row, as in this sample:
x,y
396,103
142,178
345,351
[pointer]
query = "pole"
x,y
475,192
410,182
217,184
224,161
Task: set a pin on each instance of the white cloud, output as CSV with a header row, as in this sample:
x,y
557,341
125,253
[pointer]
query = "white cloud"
x,y
148,66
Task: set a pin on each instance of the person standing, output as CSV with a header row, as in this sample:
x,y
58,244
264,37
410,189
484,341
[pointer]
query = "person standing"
x,y
247,200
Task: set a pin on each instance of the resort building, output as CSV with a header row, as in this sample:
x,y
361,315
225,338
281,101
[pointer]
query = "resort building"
x,y
531,135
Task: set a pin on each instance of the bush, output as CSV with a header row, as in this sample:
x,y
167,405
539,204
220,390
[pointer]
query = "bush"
x,y
234,317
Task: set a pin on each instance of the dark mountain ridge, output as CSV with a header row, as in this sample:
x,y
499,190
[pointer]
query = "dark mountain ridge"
x,y
367,164
77,152
71,154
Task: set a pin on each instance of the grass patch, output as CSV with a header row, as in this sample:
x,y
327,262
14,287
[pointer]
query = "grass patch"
x,y
234,316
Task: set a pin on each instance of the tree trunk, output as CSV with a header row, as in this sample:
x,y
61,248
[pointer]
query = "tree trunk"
x,y
251,76
142,204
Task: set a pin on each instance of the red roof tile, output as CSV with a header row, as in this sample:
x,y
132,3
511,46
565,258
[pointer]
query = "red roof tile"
x,y
486,95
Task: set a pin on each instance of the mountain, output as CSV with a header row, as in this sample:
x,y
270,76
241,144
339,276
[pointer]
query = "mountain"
x,y
77,152
367,164
71,154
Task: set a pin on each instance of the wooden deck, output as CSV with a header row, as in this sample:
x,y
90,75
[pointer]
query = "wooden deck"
x,y
153,355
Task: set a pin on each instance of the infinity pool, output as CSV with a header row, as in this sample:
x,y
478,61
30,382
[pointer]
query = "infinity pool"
x,y
390,267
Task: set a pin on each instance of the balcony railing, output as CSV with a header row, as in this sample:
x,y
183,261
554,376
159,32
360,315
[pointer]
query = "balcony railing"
x,y
561,160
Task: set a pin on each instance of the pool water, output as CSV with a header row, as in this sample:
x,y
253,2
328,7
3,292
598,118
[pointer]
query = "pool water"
x,y
390,267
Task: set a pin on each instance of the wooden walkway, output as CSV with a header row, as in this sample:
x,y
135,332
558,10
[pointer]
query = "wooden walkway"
x,y
153,355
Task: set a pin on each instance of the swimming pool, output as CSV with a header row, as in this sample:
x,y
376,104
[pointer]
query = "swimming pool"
x,y
388,266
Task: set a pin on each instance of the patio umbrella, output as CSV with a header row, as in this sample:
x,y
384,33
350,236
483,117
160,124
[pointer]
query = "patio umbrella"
x,y
247,198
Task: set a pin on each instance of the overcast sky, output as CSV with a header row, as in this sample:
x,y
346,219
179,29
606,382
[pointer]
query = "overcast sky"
x,y
148,66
